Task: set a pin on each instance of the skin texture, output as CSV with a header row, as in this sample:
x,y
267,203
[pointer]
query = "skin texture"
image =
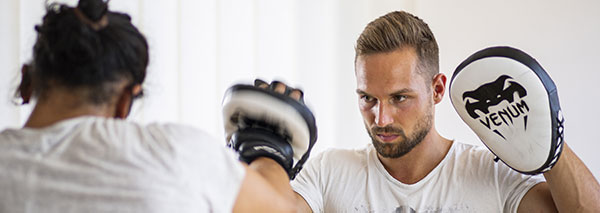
x,y
266,188
60,103
395,106
393,93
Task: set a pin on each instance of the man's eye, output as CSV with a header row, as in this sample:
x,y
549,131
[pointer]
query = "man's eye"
x,y
366,98
399,98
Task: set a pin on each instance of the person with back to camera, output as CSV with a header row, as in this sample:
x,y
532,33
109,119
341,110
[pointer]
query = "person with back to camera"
x,y
410,167
76,153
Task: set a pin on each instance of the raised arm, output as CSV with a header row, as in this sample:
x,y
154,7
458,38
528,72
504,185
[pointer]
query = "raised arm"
x,y
273,131
266,188
570,187
489,80
301,204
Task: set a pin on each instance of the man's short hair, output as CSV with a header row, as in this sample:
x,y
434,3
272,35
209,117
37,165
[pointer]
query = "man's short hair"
x,y
397,30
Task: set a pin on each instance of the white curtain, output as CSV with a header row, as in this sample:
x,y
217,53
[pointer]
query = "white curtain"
x,y
200,47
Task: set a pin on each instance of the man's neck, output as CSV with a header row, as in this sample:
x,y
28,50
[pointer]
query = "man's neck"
x,y
59,106
420,161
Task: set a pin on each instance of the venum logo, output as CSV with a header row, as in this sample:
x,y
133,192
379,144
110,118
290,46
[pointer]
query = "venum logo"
x,y
493,94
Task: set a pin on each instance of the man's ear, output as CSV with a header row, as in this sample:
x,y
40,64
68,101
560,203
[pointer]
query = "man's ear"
x,y
25,87
438,85
125,101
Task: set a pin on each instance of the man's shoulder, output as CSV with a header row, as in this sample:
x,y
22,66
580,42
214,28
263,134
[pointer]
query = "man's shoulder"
x,y
119,133
178,130
172,135
156,131
347,151
476,159
470,150
329,167
342,157
157,142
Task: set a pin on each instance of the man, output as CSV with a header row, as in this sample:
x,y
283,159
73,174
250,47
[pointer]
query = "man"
x,y
409,167
76,152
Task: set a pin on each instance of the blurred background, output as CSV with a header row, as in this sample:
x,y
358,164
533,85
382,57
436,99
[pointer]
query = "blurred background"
x,y
201,47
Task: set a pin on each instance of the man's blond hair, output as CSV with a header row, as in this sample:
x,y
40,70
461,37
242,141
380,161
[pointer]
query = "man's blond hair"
x,y
397,30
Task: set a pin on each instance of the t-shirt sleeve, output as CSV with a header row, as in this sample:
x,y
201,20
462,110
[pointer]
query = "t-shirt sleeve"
x,y
513,186
309,183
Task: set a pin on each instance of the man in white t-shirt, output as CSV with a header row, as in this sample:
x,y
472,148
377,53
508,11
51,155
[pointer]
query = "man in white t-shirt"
x,y
76,153
411,168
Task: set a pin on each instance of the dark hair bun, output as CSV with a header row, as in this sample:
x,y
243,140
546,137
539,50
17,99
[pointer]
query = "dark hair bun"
x,y
93,9
71,52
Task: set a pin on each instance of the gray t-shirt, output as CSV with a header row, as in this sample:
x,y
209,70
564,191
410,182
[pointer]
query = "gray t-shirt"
x,y
466,180
93,164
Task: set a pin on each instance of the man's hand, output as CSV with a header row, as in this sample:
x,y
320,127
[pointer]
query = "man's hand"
x,y
272,141
269,120
281,88
511,103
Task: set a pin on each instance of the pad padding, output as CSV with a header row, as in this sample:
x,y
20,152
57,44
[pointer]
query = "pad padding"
x,y
512,105
246,106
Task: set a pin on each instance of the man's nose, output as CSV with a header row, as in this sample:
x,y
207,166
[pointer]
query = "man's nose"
x,y
384,115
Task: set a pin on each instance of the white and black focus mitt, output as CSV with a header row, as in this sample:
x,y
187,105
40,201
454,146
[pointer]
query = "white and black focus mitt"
x,y
511,103
263,123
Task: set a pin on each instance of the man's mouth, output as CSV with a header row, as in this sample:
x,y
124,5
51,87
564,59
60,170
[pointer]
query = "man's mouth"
x,y
386,137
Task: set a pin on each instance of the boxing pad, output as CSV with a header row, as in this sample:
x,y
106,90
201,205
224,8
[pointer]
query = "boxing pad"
x,y
260,122
511,103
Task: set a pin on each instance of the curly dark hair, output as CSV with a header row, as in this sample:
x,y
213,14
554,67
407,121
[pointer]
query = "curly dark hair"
x,y
87,47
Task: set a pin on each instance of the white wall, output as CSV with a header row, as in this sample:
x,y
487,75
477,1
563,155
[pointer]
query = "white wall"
x,y
562,36
199,48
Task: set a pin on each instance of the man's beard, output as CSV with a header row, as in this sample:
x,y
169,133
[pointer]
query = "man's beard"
x,y
405,144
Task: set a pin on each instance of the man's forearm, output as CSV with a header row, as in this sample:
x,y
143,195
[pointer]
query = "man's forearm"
x,y
265,188
271,171
573,187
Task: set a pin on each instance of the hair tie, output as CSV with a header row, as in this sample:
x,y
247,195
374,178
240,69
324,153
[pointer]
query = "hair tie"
x,y
98,25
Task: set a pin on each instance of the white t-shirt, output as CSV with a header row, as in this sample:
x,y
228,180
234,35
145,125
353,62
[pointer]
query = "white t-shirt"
x,y
466,180
92,164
